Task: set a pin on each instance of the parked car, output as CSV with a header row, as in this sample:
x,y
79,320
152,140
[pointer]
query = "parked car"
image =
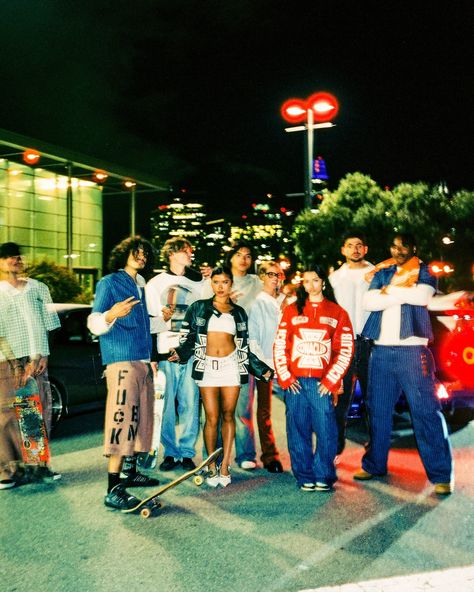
x,y
75,366
452,319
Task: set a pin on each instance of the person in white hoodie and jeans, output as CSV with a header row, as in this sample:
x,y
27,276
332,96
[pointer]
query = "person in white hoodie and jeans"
x,y
264,317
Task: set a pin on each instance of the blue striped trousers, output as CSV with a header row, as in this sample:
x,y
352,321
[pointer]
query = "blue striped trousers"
x,y
409,369
308,412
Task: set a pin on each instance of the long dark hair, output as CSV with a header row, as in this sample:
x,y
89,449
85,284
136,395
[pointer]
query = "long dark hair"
x,y
120,253
302,295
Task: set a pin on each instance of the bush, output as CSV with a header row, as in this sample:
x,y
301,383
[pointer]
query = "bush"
x,y
62,283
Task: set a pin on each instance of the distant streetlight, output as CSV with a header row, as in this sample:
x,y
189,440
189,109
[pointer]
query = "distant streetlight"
x,y
440,268
100,176
317,110
31,156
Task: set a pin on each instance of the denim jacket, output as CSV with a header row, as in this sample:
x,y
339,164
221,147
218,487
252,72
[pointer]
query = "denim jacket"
x,y
415,320
194,341
129,339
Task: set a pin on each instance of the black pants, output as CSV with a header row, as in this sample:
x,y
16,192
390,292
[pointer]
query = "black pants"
x,y
358,370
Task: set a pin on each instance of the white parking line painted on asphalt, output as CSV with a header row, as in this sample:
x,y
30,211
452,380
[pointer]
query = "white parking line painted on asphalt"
x,y
344,540
459,579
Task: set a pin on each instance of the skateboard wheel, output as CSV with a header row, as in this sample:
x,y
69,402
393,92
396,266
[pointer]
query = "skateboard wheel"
x,y
145,513
198,480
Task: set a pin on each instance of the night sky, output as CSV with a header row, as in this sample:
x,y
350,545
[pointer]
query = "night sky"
x,y
190,90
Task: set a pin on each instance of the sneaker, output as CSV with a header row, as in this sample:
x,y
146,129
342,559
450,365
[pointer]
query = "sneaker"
x,y
443,488
188,464
7,483
120,499
274,466
248,465
308,487
320,486
140,480
169,463
129,464
212,478
225,480
46,474
363,475
147,460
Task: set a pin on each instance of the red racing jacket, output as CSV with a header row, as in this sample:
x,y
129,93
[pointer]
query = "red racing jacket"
x,y
316,344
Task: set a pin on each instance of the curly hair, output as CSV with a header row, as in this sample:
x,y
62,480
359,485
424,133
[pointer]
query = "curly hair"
x,y
120,253
406,238
302,295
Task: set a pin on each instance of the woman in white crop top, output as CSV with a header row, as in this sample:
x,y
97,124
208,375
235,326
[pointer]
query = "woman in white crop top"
x,y
220,384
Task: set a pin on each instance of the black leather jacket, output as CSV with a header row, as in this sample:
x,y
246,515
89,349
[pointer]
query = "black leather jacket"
x,y
194,340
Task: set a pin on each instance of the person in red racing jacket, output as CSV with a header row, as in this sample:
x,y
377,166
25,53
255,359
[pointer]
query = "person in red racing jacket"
x,y
312,352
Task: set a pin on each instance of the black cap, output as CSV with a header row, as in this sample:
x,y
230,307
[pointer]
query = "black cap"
x,y
9,250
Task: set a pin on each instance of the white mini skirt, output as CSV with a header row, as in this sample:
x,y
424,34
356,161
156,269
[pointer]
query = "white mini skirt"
x,y
221,371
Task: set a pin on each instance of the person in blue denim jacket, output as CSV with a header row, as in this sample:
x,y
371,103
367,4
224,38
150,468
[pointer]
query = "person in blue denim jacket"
x,y
399,324
120,319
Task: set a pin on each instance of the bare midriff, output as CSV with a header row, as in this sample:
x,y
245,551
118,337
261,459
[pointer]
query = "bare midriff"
x,y
219,345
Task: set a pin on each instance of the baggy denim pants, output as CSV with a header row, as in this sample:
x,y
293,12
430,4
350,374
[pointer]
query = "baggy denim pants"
x,y
180,427
409,369
306,413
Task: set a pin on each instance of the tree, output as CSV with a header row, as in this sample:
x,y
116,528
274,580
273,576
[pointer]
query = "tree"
x,y
62,283
429,212
357,202
461,232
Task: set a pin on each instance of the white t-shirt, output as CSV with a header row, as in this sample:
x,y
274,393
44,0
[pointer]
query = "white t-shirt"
x,y
178,291
349,287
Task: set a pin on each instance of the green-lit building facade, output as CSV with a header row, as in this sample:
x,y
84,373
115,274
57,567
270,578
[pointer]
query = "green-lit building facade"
x,y
34,214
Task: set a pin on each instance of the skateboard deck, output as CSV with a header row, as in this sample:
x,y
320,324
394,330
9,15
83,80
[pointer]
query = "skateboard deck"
x,y
29,414
148,460
160,385
149,504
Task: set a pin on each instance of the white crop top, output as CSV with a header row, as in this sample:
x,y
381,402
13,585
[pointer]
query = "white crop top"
x,y
225,323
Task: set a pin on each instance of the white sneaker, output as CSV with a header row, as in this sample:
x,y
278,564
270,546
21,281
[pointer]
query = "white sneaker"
x,y
321,486
7,483
213,479
308,487
225,480
248,465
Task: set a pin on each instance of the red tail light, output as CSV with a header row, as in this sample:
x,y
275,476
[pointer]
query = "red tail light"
x,y
441,391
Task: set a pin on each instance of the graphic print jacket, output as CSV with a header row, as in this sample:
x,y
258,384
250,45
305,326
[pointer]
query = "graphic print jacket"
x,y
316,344
193,341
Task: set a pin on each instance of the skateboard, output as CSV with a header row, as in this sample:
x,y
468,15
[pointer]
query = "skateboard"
x,y
146,506
29,414
148,460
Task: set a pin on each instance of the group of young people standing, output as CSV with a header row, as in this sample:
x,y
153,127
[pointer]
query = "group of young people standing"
x,y
221,339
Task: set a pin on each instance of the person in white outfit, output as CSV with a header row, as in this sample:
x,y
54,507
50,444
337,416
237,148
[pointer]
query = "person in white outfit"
x,y
264,317
168,296
350,284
